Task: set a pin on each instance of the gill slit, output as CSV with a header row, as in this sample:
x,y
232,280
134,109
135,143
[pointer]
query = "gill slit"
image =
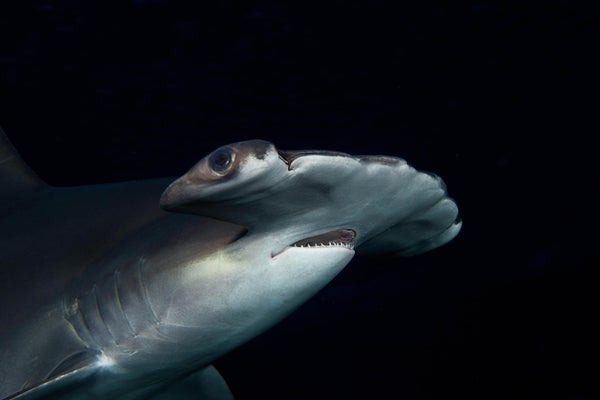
x,y
85,337
119,303
101,316
144,292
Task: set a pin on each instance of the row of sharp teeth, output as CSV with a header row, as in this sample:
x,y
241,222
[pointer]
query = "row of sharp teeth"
x,y
330,244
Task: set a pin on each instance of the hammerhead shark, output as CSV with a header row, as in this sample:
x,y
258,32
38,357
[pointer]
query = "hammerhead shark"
x,y
131,290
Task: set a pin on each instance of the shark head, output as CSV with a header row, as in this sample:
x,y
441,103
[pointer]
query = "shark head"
x,y
316,198
300,216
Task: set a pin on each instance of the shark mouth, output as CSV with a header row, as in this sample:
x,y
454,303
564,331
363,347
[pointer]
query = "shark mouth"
x,y
337,238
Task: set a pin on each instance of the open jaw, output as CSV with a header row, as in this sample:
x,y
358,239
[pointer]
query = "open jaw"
x,y
341,238
338,238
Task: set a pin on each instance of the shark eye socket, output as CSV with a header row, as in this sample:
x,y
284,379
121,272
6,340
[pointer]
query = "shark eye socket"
x,y
221,159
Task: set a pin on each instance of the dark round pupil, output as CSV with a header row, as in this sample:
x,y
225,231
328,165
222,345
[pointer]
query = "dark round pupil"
x,y
220,160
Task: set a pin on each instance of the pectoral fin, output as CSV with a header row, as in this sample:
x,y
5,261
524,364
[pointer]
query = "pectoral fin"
x,y
73,371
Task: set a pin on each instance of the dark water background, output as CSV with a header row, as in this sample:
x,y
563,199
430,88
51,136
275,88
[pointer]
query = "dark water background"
x,y
499,98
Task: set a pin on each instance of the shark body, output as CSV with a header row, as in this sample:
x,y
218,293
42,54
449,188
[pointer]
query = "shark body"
x,y
131,290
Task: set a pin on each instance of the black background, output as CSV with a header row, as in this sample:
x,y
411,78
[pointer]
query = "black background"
x,y
499,98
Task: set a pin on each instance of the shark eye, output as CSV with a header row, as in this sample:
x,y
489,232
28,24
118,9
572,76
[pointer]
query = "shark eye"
x,y
221,159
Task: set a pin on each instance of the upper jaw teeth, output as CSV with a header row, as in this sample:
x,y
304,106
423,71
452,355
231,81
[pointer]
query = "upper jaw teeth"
x,y
329,244
324,241
336,238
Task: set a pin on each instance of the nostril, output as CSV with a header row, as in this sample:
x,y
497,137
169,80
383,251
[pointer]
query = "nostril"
x,y
285,156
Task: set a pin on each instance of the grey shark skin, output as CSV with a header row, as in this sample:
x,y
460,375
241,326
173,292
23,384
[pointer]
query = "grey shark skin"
x,y
105,294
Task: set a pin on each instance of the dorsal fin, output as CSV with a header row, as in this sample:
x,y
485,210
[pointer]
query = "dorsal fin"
x,y
17,180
